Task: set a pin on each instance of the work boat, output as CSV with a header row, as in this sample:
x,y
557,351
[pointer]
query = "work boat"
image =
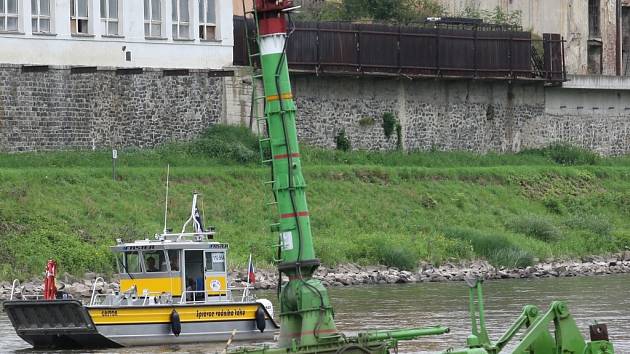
x,y
174,289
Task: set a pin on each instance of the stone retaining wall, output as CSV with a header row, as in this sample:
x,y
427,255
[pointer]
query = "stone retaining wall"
x,y
61,109
480,116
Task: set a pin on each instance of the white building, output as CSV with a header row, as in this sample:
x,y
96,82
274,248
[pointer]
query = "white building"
x,y
190,34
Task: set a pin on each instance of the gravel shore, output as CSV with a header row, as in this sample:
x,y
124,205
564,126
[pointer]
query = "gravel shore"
x,y
351,274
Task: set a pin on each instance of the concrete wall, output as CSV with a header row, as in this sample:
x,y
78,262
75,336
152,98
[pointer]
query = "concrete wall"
x,y
60,47
593,112
60,110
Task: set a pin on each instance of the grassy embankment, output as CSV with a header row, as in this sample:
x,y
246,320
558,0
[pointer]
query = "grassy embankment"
x,y
389,208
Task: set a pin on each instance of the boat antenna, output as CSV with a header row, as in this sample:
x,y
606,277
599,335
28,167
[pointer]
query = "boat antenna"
x,y
168,172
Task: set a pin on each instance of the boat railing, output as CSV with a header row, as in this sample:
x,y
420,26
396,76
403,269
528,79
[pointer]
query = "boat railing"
x,y
99,299
152,295
191,296
200,296
246,292
93,297
15,284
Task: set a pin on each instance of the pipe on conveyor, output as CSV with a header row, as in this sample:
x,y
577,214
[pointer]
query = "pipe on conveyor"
x,y
403,334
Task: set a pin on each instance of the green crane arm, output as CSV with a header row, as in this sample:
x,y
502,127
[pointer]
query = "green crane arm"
x,y
568,336
536,339
305,310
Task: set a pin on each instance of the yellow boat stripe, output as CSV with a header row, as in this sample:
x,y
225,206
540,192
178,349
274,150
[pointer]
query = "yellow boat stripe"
x,y
162,314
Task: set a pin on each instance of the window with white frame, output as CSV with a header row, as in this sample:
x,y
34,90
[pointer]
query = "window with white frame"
x,y
9,15
79,16
153,18
207,19
40,12
109,17
181,19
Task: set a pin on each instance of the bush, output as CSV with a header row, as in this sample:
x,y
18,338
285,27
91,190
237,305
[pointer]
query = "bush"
x,y
393,255
231,133
389,124
553,205
227,143
342,141
366,121
534,226
496,248
223,150
566,154
598,225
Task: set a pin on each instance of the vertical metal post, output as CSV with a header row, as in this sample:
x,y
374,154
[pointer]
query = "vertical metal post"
x,y
114,158
437,50
399,64
473,311
475,64
358,39
618,40
510,55
317,49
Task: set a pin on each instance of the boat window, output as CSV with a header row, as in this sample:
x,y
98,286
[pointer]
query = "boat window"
x,y
215,262
174,259
119,262
154,261
132,261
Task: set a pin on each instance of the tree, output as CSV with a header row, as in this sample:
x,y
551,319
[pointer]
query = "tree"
x,y
389,11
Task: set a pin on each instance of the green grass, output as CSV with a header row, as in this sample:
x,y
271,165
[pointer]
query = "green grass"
x,y
390,208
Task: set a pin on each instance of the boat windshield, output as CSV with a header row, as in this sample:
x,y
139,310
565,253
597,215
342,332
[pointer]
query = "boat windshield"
x,y
154,261
132,261
120,262
215,262
173,257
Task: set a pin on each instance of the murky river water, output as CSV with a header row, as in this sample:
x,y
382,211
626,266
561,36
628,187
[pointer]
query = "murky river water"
x,y
605,299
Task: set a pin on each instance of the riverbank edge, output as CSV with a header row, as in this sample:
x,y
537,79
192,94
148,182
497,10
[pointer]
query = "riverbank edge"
x,y
354,275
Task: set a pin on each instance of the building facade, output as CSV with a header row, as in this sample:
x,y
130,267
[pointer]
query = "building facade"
x,y
596,31
188,34
240,6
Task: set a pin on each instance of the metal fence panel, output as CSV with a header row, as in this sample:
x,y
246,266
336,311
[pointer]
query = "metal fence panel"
x,y
376,49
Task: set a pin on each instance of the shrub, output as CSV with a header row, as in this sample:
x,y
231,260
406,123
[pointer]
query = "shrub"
x,y
496,248
224,150
566,154
366,121
598,225
389,124
342,141
428,202
553,205
393,255
227,143
514,257
231,133
534,226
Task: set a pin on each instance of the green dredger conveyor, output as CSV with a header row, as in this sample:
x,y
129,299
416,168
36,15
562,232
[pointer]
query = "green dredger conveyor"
x,y
306,314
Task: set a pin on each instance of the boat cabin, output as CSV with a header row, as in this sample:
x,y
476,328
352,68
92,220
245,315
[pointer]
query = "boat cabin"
x,y
194,270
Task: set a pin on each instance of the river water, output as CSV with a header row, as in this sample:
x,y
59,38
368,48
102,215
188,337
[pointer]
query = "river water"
x,y
605,299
